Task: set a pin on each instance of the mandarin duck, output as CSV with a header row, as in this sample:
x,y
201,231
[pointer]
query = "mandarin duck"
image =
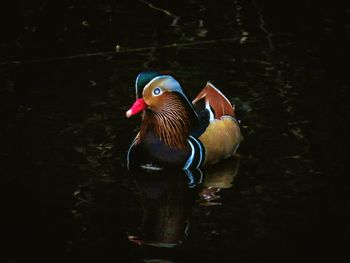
x,y
174,133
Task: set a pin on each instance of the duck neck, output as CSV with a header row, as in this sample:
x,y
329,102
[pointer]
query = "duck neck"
x,y
171,124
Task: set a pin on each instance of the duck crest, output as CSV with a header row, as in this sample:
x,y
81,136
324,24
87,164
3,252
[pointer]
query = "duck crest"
x,y
171,123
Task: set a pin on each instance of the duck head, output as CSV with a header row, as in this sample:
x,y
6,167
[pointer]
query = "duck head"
x,y
158,93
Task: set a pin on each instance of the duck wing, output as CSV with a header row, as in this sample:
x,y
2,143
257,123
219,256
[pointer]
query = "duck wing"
x,y
222,136
215,102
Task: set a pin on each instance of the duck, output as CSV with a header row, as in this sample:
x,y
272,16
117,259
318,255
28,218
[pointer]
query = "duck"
x,y
176,132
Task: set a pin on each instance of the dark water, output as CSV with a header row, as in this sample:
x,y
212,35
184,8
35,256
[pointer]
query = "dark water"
x,y
67,195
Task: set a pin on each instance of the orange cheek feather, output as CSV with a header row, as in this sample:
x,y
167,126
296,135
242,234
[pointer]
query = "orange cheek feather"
x,y
138,106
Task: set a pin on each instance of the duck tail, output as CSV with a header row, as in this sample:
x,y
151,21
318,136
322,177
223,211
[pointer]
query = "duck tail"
x,y
215,102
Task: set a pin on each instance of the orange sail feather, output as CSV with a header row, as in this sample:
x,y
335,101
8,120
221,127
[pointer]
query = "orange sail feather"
x,y
216,100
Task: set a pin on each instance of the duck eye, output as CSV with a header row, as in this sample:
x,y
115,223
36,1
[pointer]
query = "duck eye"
x,y
156,91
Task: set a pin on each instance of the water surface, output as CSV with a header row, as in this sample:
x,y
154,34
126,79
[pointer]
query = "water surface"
x,y
68,73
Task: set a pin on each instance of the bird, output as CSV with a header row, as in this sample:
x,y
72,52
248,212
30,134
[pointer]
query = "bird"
x,y
176,132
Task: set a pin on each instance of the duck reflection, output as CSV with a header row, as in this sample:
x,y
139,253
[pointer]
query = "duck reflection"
x,y
217,177
167,198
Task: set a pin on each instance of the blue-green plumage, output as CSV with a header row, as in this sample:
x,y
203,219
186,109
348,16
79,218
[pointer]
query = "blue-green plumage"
x,y
143,79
